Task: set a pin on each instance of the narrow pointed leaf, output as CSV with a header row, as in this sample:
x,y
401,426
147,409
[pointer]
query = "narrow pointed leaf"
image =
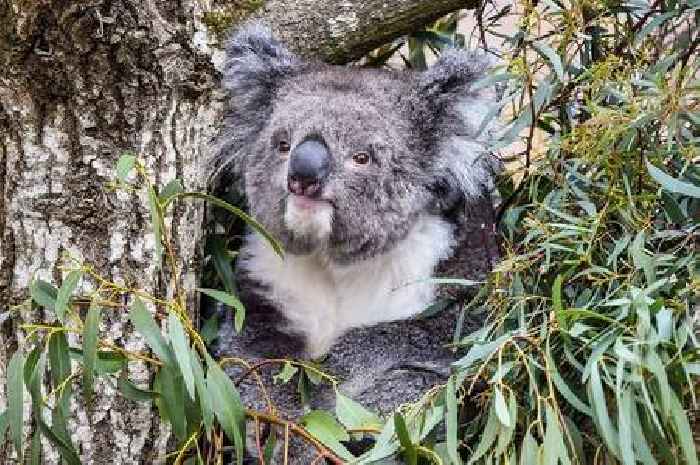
x,y
227,406
182,352
130,391
146,326
205,403
68,453
59,361
409,449
90,338
326,429
452,422
501,407
125,165
672,184
65,293
15,399
43,293
230,300
353,415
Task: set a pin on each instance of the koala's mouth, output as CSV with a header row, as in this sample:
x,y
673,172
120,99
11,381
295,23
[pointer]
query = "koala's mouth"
x,y
309,218
304,203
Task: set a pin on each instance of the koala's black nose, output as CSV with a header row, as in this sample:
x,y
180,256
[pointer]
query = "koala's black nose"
x,y
309,164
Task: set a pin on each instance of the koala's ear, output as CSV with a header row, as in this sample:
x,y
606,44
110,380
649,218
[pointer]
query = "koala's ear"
x,y
454,111
255,65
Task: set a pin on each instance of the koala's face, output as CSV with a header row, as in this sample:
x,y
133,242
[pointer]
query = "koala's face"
x,y
341,161
335,167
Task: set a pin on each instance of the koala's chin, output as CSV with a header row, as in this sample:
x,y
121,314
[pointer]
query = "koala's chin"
x,y
308,221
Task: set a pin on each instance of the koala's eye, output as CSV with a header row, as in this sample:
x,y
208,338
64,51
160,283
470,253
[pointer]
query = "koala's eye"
x,y
283,146
361,158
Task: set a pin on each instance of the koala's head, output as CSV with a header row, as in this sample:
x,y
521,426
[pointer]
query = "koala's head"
x,y
342,160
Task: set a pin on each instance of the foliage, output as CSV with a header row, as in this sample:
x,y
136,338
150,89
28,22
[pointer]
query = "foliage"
x,y
590,352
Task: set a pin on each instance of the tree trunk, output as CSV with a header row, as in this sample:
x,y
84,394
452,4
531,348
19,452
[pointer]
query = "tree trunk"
x,y
81,83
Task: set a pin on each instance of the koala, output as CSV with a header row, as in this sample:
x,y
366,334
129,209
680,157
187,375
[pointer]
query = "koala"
x,y
362,174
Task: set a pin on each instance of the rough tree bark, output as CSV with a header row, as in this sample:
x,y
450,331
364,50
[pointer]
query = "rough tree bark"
x,y
81,83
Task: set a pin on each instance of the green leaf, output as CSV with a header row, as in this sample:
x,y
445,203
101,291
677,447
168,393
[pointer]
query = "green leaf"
x,y
59,423
3,425
59,361
685,434
108,362
653,24
181,347
156,224
448,281
174,187
227,406
490,80
640,442
562,387
556,294
481,351
600,411
656,366
205,402
547,52
409,449
65,293
553,447
326,429
90,338
125,166
452,422
528,452
259,228
269,449
624,422
285,374
15,399
146,326
210,329
171,398
505,435
501,407
33,376
487,437
43,293
230,300
672,184
353,415
221,258
68,453
130,391
35,458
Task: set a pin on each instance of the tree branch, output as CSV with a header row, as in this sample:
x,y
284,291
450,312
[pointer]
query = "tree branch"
x,y
340,31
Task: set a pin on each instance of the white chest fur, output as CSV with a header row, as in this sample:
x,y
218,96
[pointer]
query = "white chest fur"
x,y
322,300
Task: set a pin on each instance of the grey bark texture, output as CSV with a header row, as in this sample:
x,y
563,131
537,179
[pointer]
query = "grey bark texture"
x,y
80,83
341,31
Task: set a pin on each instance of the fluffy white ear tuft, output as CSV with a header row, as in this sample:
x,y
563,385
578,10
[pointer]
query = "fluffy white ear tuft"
x,y
463,164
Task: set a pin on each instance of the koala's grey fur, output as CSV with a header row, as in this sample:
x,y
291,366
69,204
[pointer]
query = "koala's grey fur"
x,y
427,162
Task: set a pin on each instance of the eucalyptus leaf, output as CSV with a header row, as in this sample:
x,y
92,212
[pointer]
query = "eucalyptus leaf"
x,y
15,400
230,300
65,292
181,348
90,339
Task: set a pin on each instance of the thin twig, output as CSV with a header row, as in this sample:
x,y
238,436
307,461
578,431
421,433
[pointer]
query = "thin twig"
x,y
257,442
299,431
